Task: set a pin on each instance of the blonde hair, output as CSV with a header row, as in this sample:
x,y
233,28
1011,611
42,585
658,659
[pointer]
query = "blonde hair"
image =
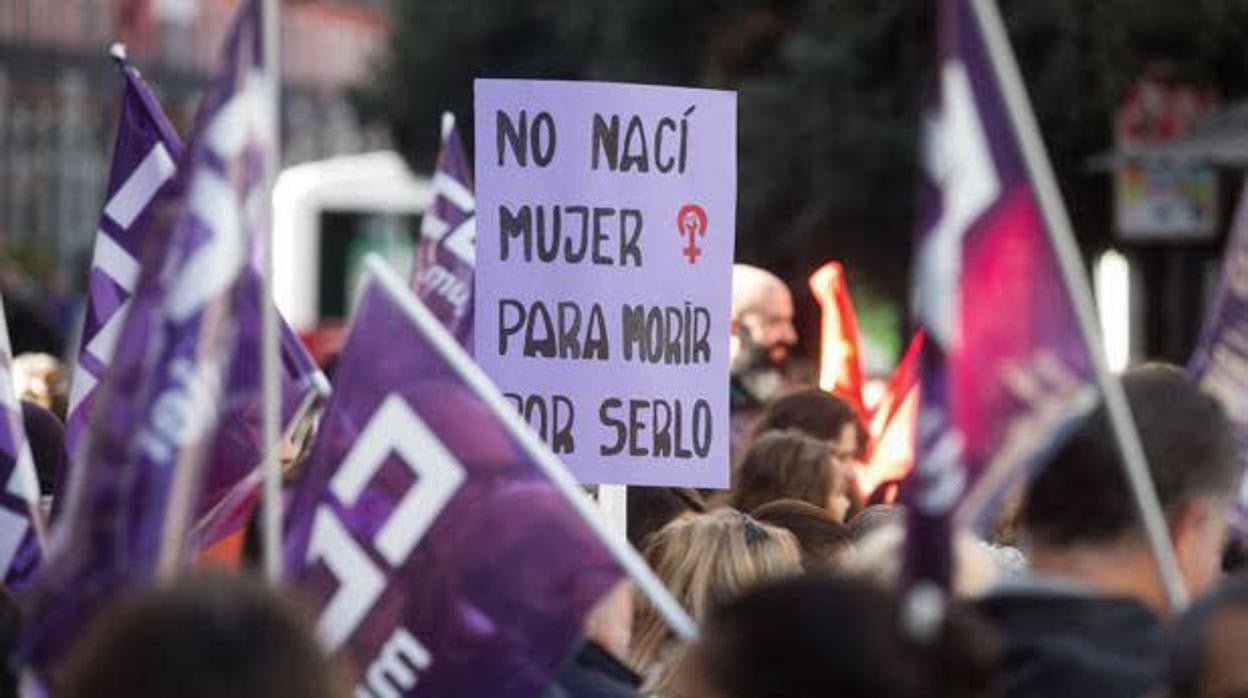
x,y
705,560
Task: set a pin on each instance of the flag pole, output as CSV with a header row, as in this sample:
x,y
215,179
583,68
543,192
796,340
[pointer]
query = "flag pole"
x,y
1057,221
625,556
272,508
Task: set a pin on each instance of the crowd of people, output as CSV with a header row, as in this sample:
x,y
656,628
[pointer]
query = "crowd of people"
x,y
796,578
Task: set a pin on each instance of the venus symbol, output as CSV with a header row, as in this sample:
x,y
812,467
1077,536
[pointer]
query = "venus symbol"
x,y
692,223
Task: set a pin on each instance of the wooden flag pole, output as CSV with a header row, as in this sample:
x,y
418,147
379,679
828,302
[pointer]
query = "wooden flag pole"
x,y
1057,222
270,360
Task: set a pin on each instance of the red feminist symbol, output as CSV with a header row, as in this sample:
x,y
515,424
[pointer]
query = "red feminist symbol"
x,y
692,223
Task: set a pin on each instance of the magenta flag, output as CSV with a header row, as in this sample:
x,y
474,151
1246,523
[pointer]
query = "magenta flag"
x,y
156,414
446,255
436,537
1006,369
1222,351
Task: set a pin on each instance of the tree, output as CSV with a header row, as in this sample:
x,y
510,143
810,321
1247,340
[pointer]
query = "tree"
x,y
829,95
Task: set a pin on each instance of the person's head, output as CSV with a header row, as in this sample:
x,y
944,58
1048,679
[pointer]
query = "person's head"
x,y
873,518
203,637
704,560
818,414
818,636
761,320
40,379
652,508
823,539
1080,506
1206,647
791,465
977,566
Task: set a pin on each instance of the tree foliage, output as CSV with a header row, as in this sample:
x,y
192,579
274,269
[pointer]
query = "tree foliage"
x,y
829,94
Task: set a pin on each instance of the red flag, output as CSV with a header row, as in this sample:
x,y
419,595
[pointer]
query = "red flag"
x,y
893,426
840,352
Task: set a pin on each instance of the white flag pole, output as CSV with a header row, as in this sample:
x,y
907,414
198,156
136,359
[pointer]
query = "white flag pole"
x,y
1057,221
613,502
270,359
625,556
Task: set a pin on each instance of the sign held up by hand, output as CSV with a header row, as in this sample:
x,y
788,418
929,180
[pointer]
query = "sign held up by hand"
x,y
606,223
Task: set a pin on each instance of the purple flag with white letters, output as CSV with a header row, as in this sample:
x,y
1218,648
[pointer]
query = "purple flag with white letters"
x,y
157,410
446,256
1005,368
432,531
143,164
1221,357
21,523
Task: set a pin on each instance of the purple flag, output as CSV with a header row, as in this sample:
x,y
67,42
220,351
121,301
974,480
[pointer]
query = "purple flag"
x,y
439,539
998,385
446,256
238,448
143,164
129,510
21,523
1223,348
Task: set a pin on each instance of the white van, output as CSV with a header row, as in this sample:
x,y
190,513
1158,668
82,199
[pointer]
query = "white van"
x,y
328,215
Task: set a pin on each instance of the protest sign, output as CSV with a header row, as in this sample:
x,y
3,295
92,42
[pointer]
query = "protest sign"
x,y
448,552
606,218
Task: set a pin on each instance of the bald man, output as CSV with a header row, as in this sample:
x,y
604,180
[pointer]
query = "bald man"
x,y
762,335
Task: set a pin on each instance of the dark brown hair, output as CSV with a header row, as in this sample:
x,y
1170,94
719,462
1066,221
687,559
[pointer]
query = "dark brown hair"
x,y
206,636
821,538
783,465
1188,444
873,518
814,412
825,636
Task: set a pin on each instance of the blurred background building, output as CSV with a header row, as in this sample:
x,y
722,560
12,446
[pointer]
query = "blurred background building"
x,y
59,96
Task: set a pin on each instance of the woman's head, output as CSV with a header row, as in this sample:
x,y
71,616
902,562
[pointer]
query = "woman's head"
x,y
214,635
704,560
791,465
824,541
817,414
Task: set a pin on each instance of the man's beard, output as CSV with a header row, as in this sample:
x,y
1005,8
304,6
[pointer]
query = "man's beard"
x,y
761,370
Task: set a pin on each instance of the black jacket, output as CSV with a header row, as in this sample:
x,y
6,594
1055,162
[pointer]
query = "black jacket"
x,y
1061,642
593,673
